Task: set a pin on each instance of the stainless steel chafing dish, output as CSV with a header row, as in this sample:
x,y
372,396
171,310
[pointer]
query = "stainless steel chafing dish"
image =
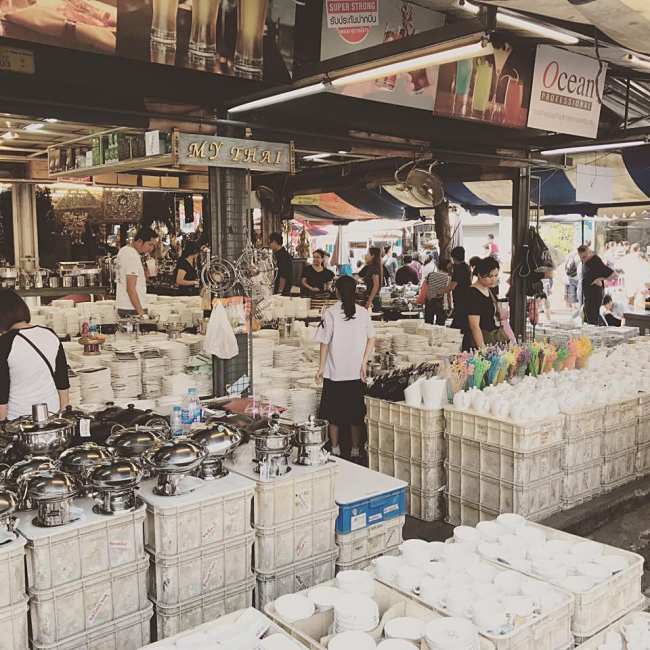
x,y
310,438
8,506
219,441
81,461
114,483
173,460
52,492
18,473
40,433
272,448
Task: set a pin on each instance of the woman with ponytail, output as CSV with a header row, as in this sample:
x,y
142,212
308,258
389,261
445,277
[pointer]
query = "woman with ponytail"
x,y
347,338
372,275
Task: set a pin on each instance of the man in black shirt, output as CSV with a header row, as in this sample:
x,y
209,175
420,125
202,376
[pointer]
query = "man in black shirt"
x,y
284,262
594,274
406,274
461,280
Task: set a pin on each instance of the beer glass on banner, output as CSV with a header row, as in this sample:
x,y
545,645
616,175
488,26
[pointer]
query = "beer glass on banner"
x,y
227,30
203,34
251,18
482,88
464,69
163,23
514,100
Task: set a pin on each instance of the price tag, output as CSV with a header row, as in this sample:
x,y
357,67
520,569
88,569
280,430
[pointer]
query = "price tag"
x,y
84,428
13,59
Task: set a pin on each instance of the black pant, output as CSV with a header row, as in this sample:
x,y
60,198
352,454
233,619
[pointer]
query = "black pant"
x,y
593,299
612,321
434,311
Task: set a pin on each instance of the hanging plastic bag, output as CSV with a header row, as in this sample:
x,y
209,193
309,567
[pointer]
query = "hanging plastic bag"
x,y
220,340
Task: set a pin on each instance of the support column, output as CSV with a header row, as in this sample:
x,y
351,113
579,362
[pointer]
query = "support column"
x,y
520,225
25,225
229,199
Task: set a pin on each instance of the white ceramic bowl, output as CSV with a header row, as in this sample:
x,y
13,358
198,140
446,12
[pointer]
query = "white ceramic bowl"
x,y
404,627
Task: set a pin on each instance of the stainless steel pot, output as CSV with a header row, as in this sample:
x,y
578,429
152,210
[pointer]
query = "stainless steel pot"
x,y
312,432
272,449
54,281
67,281
80,462
114,483
52,492
8,506
219,441
81,280
40,434
171,461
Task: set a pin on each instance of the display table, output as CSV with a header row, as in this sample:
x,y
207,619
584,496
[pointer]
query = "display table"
x,y
640,319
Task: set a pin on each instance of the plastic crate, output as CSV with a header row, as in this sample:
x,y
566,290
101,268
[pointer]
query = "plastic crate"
x,y
92,545
505,432
296,541
217,511
386,438
580,450
416,419
373,433
420,476
127,633
618,470
642,460
302,492
616,441
595,642
201,572
372,409
643,431
366,497
581,484
370,541
644,406
12,573
418,446
79,607
169,621
294,578
13,626
465,513
584,423
622,413
364,563
426,506
518,467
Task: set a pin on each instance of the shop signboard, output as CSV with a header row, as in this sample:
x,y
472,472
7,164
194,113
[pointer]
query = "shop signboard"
x,y
306,199
215,151
566,92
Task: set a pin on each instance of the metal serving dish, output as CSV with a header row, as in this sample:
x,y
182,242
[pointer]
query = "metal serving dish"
x,y
80,462
40,433
114,483
134,441
171,461
52,492
8,506
219,441
18,473
272,449
312,432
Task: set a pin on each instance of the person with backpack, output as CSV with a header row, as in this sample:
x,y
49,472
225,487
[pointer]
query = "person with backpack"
x,y
571,281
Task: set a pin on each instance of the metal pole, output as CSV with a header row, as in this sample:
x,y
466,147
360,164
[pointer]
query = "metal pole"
x,y
520,225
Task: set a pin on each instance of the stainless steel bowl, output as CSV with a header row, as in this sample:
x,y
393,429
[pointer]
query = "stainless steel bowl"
x,y
80,461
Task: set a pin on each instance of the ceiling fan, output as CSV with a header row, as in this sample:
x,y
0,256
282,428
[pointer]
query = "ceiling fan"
x,y
421,183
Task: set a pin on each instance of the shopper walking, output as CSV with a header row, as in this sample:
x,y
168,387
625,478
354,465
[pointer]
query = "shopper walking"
x,y
433,292
33,367
390,265
372,275
347,337
316,278
594,274
284,262
131,291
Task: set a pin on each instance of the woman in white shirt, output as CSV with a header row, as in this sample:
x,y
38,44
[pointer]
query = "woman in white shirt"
x,y
347,339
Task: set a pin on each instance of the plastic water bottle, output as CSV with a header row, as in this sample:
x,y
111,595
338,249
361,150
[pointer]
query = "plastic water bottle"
x,y
176,422
191,410
197,409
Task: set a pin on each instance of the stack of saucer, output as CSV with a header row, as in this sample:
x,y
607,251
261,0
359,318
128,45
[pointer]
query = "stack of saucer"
x,y
355,613
451,634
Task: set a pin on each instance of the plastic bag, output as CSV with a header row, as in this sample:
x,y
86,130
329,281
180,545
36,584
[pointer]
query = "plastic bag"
x,y
220,340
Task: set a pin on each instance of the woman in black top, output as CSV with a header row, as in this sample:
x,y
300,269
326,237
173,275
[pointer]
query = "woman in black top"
x,y
372,276
461,280
481,306
186,273
315,277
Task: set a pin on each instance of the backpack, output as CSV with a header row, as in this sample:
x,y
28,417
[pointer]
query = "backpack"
x,y
540,257
571,268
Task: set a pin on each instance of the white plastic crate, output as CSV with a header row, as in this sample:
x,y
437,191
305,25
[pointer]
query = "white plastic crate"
x,y
365,562
417,420
426,447
618,470
622,413
426,506
296,541
370,541
580,450
598,640
201,572
580,484
13,626
294,578
92,545
504,432
79,607
642,461
373,434
302,492
12,573
372,409
518,467
643,431
420,476
309,632
584,423
616,441
169,621
128,633
217,511
644,406
465,513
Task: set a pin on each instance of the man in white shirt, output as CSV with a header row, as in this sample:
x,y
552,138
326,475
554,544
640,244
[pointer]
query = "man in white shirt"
x,y
131,294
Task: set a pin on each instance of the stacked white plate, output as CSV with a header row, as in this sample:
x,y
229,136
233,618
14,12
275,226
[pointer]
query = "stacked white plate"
x,y
294,607
154,368
354,581
302,404
349,640
62,304
177,353
287,356
75,388
355,613
177,384
276,396
126,376
96,385
194,342
271,335
165,405
451,634
71,321
56,320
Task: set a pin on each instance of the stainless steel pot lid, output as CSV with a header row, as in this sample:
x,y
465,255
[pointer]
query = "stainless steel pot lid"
x,y
17,472
313,424
217,440
176,456
133,442
8,503
51,485
27,425
117,474
76,459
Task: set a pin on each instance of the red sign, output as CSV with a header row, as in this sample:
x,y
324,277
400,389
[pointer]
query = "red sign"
x,y
352,19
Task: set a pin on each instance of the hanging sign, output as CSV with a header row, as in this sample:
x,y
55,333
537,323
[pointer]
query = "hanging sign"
x,y
215,151
352,19
566,92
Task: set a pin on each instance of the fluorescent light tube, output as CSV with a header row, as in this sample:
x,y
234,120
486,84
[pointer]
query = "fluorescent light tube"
x,y
415,63
632,59
34,126
605,146
280,98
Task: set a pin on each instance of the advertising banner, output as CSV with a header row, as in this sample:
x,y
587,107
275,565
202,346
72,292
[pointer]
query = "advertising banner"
x,y
242,38
566,92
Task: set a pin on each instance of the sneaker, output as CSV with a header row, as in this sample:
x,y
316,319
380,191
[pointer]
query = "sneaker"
x,y
354,452
336,451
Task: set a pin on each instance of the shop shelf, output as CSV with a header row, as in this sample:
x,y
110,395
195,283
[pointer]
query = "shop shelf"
x,y
12,573
620,439
169,621
369,542
201,572
622,413
580,450
584,423
294,578
618,469
581,483
219,510
366,497
79,607
642,461
89,546
426,506
296,541
505,433
597,641
13,626
302,492
643,430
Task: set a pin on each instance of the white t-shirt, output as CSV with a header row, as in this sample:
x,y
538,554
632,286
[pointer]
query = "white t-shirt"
x,y
128,262
347,342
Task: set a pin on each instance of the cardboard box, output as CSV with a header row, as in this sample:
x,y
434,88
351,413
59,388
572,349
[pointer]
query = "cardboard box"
x,y
105,179
150,181
171,182
127,179
194,182
38,170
